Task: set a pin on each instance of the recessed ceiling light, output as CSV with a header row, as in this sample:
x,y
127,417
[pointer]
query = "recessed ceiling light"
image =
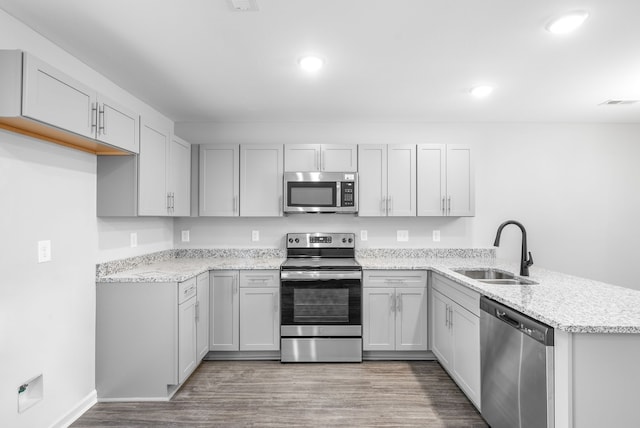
x,y
568,22
311,63
481,91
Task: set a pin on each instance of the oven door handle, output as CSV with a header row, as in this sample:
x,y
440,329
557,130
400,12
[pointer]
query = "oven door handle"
x,y
319,275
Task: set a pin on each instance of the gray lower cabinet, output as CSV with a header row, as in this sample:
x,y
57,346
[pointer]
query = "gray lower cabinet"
x,y
245,312
146,339
455,333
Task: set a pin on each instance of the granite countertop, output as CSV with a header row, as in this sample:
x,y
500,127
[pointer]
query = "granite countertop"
x,y
565,302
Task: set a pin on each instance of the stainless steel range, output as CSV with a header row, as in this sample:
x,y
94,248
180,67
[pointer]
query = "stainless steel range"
x,y
320,299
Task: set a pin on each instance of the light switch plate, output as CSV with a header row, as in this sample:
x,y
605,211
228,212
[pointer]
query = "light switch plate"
x,y
436,236
364,235
403,235
255,235
44,251
185,236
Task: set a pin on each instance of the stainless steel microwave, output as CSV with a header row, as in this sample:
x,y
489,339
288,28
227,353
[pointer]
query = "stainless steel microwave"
x,y
321,192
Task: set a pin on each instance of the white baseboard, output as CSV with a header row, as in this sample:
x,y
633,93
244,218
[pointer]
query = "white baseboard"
x,y
85,404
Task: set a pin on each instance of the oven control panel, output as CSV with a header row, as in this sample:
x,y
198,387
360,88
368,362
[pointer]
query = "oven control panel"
x,y
321,240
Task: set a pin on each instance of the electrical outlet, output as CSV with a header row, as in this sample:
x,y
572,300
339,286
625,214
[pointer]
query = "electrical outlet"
x,y
255,235
364,235
403,235
44,251
436,236
133,239
185,236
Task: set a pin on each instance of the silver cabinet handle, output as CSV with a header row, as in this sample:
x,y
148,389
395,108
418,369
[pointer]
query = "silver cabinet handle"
x,y
449,205
442,207
399,303
94,117
168,201
383,208
197,311
390,205
450,316
101,121
446,316
392,307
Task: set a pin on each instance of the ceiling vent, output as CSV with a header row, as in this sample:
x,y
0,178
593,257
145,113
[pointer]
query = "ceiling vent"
x,y
244,5
619,102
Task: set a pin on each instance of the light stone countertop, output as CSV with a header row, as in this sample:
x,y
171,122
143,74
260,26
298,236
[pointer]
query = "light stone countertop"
x,y
565,302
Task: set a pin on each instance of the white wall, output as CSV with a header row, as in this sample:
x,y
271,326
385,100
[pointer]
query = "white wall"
x,y
572,185
47,311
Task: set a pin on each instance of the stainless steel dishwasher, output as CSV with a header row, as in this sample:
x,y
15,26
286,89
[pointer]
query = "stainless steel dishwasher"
x,y
516,354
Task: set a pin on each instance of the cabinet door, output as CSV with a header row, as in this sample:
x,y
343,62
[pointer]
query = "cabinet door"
x,y
219,180
224,329
411,319
431,179
202,315
52,97
302,157
186,339
460,181
440,333
259,319
466,351
372,177
261,182
339,157
117,125
152,172
378,319
180,177
401,179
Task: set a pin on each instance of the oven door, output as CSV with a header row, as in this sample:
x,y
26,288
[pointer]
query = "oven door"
x,y
320,304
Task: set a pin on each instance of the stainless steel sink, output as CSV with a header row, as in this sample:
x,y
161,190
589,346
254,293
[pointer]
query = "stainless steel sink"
x,y
493,276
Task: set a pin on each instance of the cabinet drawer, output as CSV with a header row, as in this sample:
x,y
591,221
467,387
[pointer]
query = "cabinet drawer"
x,y
259,278
465,297
187,289
394,278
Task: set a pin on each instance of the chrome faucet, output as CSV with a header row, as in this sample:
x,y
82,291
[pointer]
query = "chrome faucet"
x,y
524,262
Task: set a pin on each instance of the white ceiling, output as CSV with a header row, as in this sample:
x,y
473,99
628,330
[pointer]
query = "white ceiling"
x,y
386,60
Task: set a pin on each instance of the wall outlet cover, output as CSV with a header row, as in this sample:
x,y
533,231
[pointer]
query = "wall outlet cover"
x,y
364,235
185,236
436,236
44,251
255,235
133,238
403,235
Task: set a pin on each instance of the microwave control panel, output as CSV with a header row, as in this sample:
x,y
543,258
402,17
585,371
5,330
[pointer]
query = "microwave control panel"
x,y
347,193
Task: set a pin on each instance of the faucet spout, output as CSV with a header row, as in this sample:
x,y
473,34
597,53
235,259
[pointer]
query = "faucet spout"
x,y
524,261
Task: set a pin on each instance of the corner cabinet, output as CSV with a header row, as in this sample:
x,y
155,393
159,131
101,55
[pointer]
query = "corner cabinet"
x,y
394,310
321,157
387,180
43,102
455,333
261,178
446,185
245,310
157,182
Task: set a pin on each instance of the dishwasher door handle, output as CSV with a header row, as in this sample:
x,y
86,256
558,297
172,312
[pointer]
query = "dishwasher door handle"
x,y
506,318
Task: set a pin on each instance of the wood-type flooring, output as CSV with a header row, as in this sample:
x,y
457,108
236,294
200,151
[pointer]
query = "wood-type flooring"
x,y
271,394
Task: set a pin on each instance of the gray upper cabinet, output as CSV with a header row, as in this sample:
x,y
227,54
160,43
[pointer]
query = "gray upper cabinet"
x,y
219,180
153,196
157,182
321,157
387,175
261,180
43,102
445,180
